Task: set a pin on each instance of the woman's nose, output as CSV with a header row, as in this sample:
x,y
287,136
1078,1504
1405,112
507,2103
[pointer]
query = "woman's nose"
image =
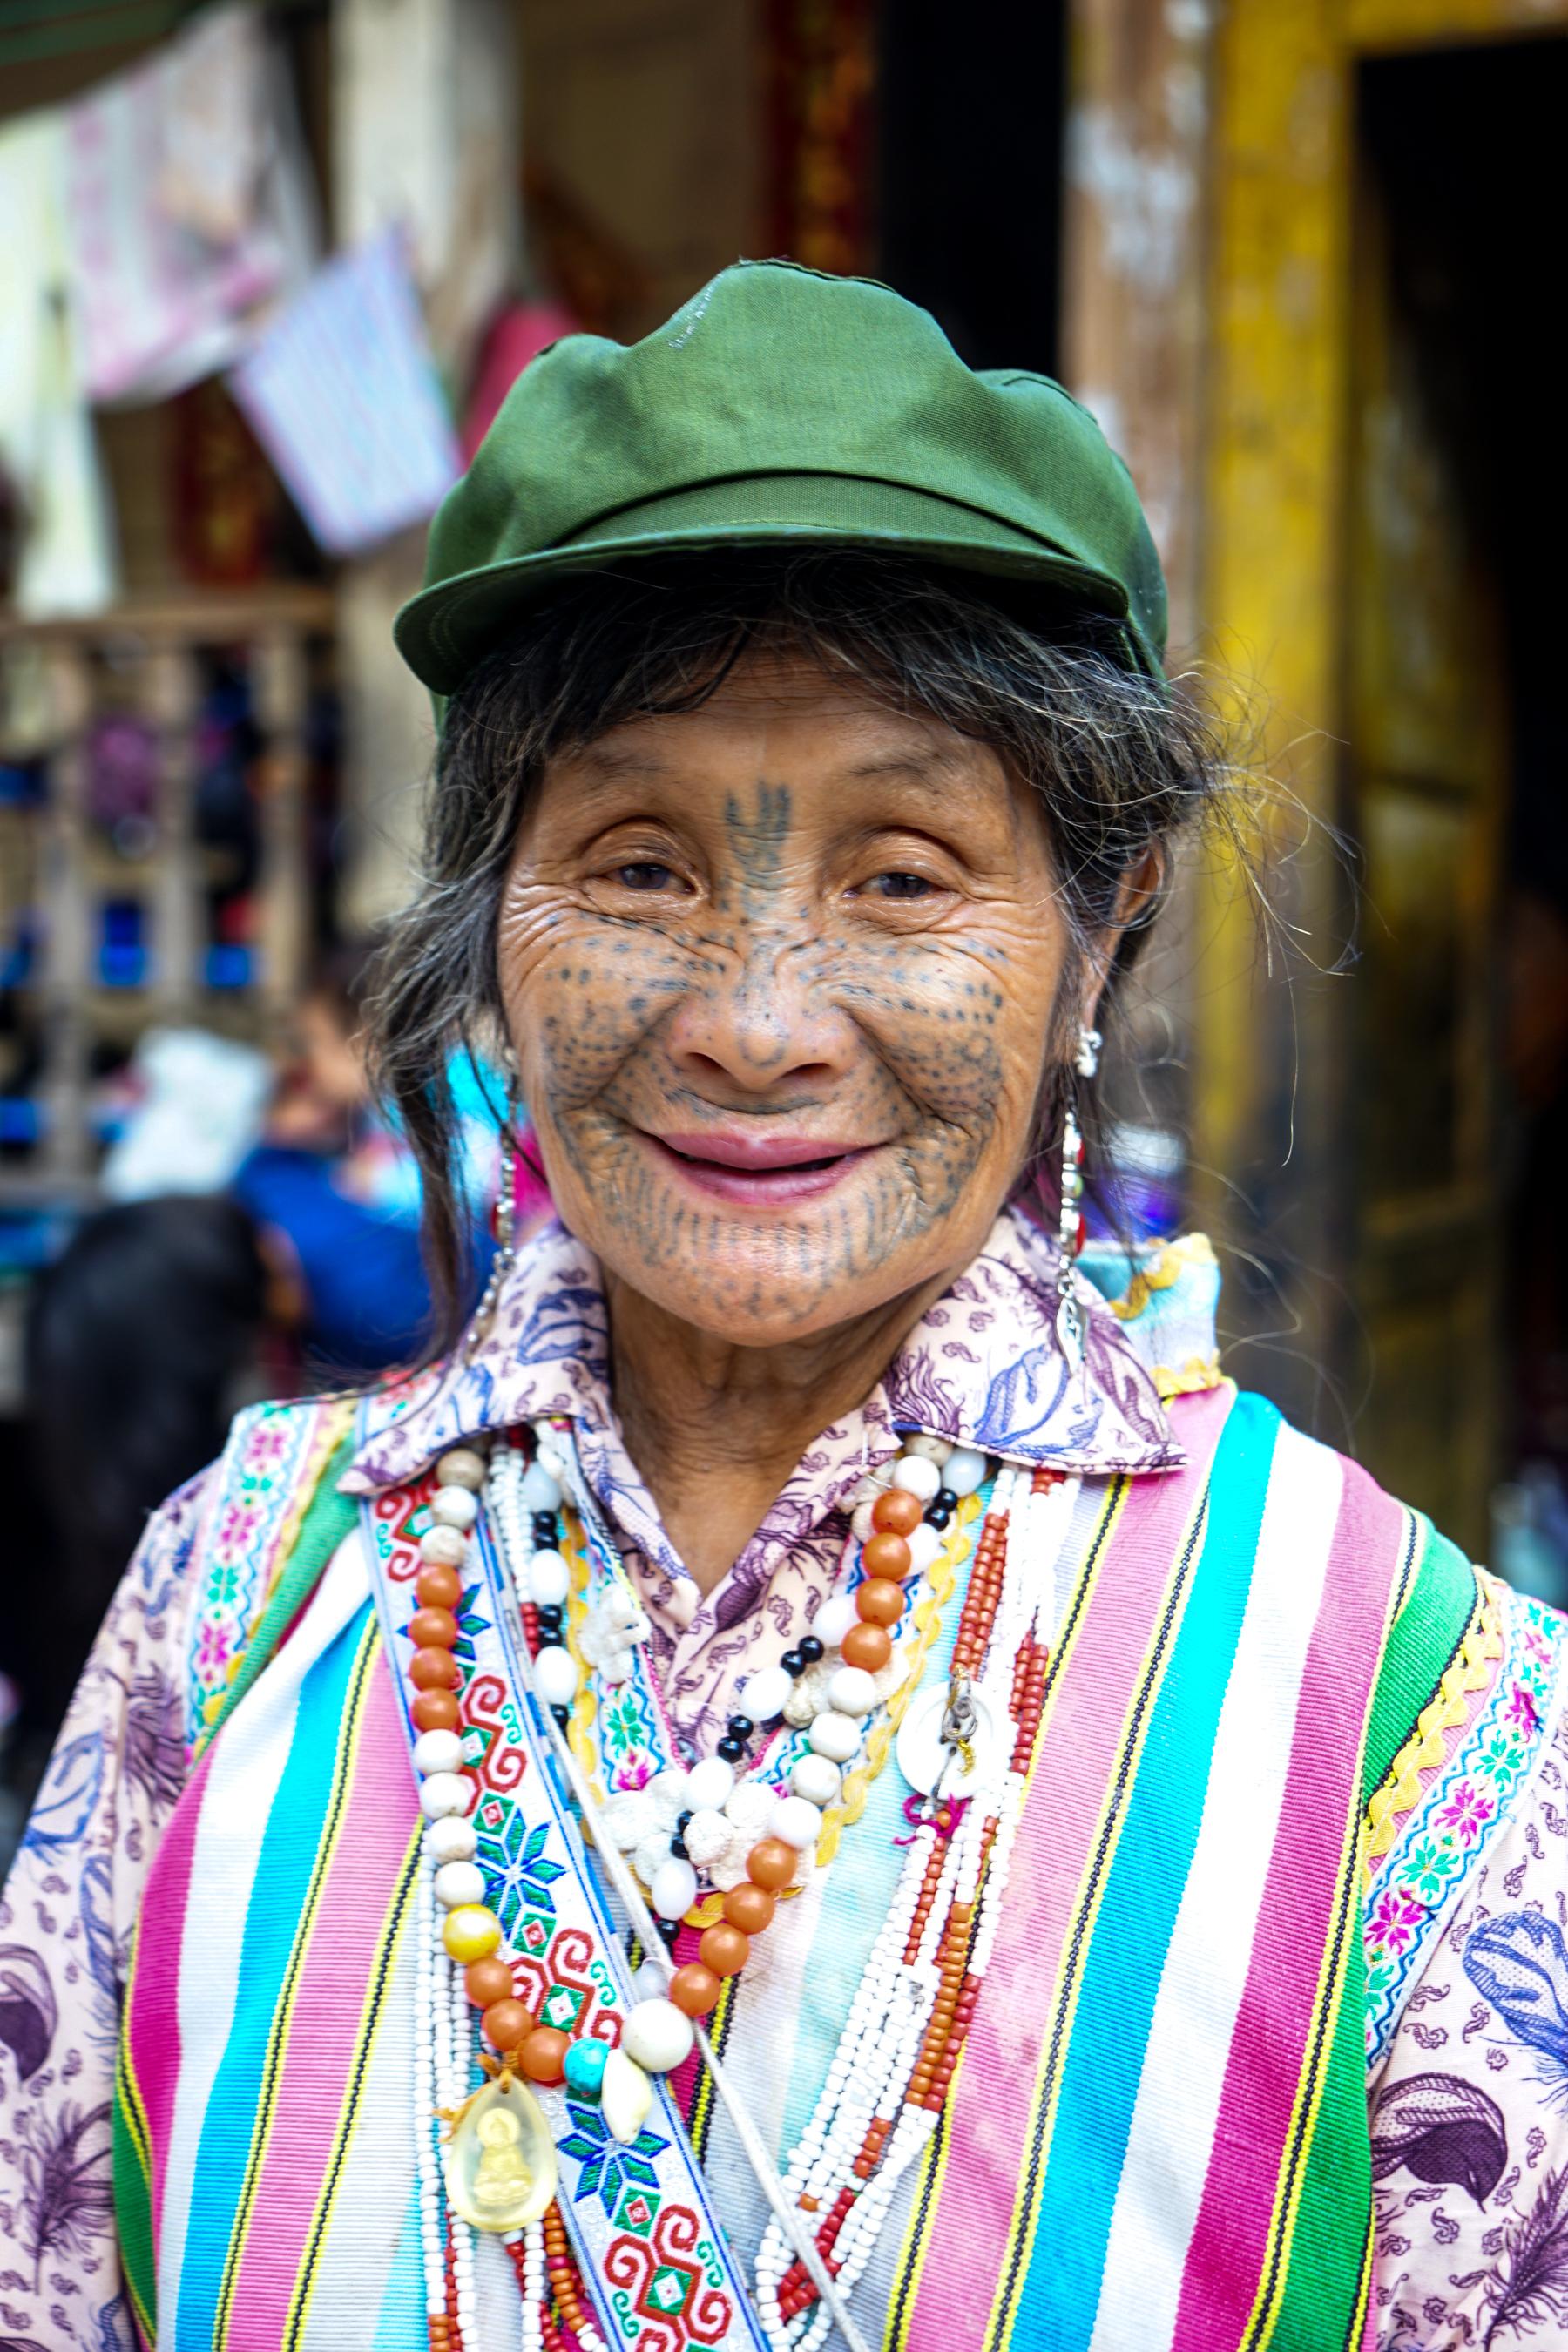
x,y
763,1018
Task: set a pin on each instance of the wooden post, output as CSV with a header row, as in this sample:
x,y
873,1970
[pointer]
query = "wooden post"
x,y
66,975
1134,311
1134,324
172,687
1269,1125
278,672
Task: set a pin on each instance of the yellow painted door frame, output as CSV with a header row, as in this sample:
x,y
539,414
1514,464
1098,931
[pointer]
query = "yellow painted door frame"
x,y
1276,427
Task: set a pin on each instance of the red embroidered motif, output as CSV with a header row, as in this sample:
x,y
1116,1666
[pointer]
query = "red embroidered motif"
x,y
488,1710
394,1513
669,2287
558,1988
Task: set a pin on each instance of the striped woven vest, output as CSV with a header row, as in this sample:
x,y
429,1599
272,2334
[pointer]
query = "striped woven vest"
x,y
1157,2134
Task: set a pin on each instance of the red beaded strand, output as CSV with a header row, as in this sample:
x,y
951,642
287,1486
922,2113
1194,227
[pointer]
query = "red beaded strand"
x,y
565,2284
445,2335
433,1669
958,1990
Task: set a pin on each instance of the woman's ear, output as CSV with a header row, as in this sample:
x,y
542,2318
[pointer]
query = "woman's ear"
x,y
1138,892
1138,895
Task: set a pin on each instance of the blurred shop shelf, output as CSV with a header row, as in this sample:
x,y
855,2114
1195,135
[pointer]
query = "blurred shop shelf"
x,y
129,742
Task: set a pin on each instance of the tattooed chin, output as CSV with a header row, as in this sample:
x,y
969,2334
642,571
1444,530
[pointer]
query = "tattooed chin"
x,y
753,1226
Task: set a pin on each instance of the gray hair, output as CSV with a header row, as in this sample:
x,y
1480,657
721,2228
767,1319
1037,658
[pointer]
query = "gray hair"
x,y
1123,764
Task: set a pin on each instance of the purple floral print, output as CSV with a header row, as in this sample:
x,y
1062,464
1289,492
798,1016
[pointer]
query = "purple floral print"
x,y
1471,2165
65,1918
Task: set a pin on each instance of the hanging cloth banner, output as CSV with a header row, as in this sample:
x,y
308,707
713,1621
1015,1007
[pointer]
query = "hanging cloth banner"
x,y
65,561
190,206
643,2228
342,393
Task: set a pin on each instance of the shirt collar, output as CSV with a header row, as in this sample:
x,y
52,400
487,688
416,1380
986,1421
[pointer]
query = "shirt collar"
x,y
982,1367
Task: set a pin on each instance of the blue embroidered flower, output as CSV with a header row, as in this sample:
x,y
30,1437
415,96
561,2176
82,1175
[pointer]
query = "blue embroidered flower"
x,y
609,2168
518,1877
469,1625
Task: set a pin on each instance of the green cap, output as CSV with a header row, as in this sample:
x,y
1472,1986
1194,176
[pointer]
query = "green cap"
x,y
780,408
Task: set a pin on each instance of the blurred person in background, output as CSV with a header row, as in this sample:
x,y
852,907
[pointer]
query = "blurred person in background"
x,y
144,1338
332,1193
163,1316
819,1774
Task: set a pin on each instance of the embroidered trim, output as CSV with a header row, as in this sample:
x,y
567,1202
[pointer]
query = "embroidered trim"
x,y
1516,1647
333,1417
1470,1671
1163,1272
271,1466
580,1725
332,1420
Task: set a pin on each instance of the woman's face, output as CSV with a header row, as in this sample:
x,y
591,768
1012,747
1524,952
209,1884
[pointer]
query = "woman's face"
x,y
781,974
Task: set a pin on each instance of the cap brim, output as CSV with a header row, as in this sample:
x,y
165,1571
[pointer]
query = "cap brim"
x,y
445,631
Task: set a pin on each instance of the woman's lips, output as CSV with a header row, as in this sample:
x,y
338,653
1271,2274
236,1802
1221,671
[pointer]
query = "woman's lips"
x,y
766,1171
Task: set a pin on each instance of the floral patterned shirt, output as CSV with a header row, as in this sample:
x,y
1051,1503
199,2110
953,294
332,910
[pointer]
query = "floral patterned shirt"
x,y
66,1920
982,1367
1468,1912
1466,1923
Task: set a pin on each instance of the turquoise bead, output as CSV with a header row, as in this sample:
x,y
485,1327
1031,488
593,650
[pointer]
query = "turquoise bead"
x,y
585,2064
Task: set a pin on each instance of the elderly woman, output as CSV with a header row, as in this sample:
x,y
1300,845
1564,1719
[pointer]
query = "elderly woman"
x,y
821,1777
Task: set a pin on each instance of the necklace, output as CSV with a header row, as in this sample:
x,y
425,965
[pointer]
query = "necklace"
x,y
738,1834
888,2080
842,1691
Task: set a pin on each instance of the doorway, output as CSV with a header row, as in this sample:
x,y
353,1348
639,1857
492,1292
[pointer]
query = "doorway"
x,y
1455,783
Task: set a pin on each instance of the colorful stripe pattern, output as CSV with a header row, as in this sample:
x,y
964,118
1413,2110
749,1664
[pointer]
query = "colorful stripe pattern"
x,y
266,1967
1157,2137
1145,2101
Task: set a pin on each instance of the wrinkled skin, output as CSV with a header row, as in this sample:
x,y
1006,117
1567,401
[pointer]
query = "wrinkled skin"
x,y
796,913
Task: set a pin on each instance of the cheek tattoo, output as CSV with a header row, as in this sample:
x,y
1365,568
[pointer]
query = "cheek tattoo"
x,y
882,1040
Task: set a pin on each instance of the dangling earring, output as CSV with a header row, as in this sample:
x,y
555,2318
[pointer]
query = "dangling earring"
x,y
506,1233
1069,1230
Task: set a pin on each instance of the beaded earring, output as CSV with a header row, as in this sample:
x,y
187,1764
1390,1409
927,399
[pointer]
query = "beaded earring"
x,y
506,1233
1069,1230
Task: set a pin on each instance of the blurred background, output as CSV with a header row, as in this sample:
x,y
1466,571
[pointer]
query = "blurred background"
x,y
265,273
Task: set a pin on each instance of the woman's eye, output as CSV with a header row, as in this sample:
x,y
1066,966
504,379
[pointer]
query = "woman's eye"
x,y
647,874
901,885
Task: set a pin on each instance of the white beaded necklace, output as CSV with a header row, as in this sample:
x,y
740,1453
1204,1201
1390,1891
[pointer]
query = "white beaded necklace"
x,y
691,1828
892,2008
877,2109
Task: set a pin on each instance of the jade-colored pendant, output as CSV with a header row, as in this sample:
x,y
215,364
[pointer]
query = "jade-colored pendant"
x,y
499,2162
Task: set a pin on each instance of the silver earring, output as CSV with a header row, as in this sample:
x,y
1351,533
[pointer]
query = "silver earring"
x,y
1070,1314
506,1234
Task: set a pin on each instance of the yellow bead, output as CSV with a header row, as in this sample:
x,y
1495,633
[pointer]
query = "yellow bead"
x,y
470,1932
